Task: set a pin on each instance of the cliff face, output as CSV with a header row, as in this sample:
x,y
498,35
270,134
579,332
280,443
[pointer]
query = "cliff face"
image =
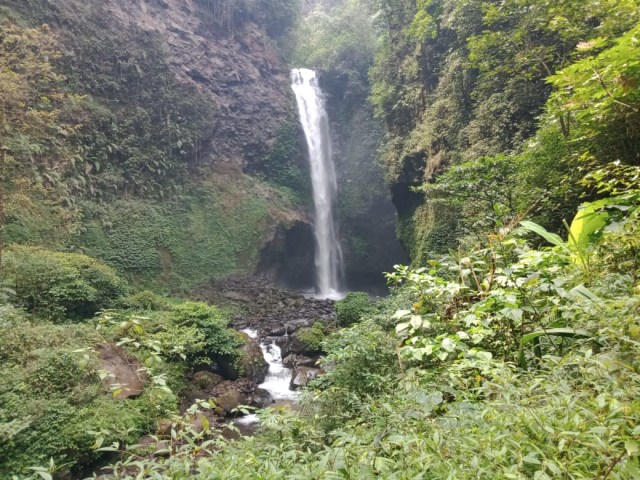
x,y
240,71
237,66
182,105
366,214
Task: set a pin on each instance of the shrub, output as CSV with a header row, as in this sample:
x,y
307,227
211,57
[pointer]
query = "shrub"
x,y
58,371
57,285
311,337
352,308
146,300
208,320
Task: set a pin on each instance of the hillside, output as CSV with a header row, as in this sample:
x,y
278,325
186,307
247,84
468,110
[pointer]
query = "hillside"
x,y
320,239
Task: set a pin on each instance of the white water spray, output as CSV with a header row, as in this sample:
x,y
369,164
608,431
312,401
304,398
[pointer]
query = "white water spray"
x,y
278,377
315,123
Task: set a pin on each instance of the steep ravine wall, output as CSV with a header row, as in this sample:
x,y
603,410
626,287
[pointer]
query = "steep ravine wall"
x,y
240,70
215,219
367,216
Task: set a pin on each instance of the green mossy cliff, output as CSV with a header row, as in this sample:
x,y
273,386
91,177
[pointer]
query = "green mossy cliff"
x,y
165,105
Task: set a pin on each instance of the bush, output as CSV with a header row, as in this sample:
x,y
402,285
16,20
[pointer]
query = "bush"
x,y
352,308
58,371
57,285
146,300
211,322
311,337
51,398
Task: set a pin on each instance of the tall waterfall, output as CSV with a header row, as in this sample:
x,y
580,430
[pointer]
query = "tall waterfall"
x,y
315,122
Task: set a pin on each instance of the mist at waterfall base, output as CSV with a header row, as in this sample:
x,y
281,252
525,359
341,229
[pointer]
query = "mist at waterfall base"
x,y
315,123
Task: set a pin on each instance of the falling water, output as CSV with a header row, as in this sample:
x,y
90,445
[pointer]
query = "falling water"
x,y
315,123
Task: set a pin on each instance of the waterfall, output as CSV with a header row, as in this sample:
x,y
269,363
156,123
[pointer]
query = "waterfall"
x,y
315,123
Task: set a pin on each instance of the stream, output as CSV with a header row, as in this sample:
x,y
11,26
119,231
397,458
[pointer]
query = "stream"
x,y
276,382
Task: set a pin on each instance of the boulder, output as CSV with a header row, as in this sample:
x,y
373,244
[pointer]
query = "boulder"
x,y
202,421
229,395
262,398
301,376
227,402
248,362
290,344
305,341
293,360
289,361
205,380
159,448
125,374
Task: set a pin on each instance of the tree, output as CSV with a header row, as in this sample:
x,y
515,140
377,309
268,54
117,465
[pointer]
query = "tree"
x,y
598,97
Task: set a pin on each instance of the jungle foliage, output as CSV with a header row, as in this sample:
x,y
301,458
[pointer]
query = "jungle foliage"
x,y
533,87
508,350
506,361
58,407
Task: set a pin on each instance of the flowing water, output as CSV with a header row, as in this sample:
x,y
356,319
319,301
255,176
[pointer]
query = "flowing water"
x,y
276,383
315,123
278,377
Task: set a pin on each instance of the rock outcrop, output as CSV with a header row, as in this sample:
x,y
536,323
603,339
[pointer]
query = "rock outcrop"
x,y
248,362
125,377
239,68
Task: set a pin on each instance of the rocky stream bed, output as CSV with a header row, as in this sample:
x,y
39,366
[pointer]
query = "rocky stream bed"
x,y
274,362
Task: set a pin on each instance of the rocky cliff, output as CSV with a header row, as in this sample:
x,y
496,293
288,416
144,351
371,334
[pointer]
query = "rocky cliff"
x,y
240,70
180,105
237,66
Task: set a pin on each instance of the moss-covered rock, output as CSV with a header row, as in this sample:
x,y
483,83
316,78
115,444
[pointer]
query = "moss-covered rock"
x,y
311,339
247,361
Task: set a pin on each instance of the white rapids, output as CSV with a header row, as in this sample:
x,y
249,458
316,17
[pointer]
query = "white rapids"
x,y
278,377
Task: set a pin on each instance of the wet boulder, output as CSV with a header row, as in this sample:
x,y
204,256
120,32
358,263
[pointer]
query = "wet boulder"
x,y
293,360
301,376
262,398
229,395
247,362
306,341
289,344
204,380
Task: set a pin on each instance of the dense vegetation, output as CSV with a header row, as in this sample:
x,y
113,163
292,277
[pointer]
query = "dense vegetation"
x,y
508,362
59,398
109,132
510,136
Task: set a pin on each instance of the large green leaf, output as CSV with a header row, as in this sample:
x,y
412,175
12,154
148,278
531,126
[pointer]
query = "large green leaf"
x,y
544,233
556,332
587,221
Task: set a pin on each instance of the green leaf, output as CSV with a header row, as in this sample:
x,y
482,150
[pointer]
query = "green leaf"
x,y
205,423
583,292
552,238
587,221
401,314
401,327
558,332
